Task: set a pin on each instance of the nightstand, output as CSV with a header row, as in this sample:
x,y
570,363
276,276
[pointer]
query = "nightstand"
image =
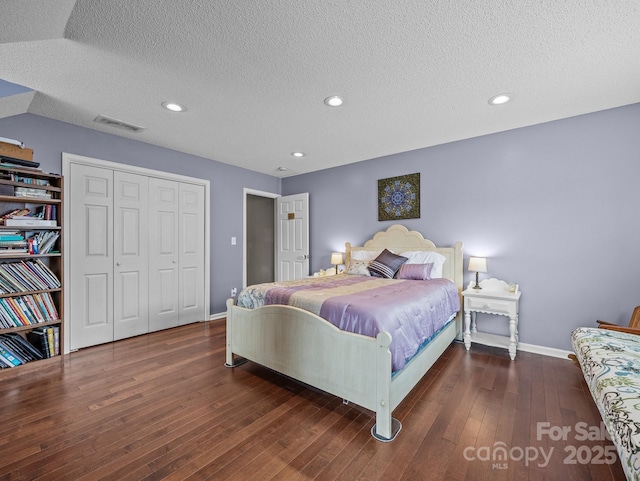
x,y
494,298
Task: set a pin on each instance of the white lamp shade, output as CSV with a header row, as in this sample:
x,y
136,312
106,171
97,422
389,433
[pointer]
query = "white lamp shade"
x,y
478,264
336,258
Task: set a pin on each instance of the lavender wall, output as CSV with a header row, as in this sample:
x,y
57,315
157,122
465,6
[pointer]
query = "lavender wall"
x,y
554,207
49,138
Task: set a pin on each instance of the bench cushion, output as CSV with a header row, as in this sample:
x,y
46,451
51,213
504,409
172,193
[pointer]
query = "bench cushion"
x,y
610,362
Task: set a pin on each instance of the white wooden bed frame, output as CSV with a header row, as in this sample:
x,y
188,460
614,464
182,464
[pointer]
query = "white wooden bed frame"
x,y
354,367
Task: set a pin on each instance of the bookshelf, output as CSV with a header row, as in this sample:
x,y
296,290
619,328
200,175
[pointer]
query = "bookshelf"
x,y
31,266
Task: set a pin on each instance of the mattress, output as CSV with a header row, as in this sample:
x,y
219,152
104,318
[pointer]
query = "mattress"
x,y
411,311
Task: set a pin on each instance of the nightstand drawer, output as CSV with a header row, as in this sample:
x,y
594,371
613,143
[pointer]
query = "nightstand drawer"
x,y
492,305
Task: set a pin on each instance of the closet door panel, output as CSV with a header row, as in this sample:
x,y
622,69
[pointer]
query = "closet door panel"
x,y
191,245
91,256
136,249
131,269
163,254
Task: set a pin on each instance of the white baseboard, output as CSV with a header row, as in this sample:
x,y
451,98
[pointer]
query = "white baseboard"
x,y
219,315
545,351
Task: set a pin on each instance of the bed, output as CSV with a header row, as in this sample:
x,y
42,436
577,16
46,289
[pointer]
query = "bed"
x,y
356,367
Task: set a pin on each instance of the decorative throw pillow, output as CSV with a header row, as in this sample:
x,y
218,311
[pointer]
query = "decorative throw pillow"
x,y
418,272
425,257
360,268
386,264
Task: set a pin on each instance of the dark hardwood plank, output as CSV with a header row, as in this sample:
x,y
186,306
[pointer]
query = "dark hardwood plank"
x,y
163,406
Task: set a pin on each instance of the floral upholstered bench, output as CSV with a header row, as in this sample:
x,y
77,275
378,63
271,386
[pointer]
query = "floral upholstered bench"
x,y
610,362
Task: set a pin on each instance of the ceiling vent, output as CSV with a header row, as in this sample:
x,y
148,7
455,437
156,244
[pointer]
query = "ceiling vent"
x,y
101,119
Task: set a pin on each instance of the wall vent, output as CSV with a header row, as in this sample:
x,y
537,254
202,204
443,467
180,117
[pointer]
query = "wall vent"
x,y
101,119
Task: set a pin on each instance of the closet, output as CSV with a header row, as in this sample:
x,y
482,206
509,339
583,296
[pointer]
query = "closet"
x,y
138,250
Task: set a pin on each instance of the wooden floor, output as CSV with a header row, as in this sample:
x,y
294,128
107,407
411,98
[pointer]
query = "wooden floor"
x,y
163,406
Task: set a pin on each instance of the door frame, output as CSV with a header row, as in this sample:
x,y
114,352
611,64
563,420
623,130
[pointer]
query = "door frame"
x,y
68,159
260,193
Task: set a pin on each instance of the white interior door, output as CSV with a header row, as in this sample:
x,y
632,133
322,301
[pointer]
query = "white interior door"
x,y
131,254
90,249
191,247
292,237
163,254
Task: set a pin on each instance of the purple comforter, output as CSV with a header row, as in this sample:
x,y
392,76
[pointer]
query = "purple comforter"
x,y
411,311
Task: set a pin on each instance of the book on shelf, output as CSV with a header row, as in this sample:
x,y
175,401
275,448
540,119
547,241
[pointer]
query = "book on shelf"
x,y
38,338
8,283
50,278
31,193
13,250
24,344
4,363
24,212
25,310
28,180
5,321
35,309
16,350
10,163
20,347
31,309
8,358
46,240
47,212
15,308
44,339
50,341
9,319
11,236
56,340
48,306
46,216
30,222
23,276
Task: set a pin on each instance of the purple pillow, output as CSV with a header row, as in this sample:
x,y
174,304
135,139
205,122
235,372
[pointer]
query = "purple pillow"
x,y
418,272
386,264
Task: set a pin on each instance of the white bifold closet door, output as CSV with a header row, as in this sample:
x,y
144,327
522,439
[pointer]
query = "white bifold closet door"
x,y
91,250
176,253
191,247
137,254
131,255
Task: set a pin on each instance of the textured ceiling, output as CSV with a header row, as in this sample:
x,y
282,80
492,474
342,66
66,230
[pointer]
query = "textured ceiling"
x,y
253,74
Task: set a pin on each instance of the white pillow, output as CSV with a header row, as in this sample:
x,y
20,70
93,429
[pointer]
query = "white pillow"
x,y
362,255
426,257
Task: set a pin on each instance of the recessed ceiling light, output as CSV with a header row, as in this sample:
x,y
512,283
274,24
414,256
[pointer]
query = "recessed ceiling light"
x,y
297,154
500,99
174,107
334,101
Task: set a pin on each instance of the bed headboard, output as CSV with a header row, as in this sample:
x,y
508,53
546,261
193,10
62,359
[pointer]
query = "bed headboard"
x,y
398,238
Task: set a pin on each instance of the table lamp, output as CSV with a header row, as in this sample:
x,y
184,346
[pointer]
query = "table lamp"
x,y
336,259
477,264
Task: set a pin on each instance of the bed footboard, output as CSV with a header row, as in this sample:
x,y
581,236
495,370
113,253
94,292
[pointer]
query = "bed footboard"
x,y
305,347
